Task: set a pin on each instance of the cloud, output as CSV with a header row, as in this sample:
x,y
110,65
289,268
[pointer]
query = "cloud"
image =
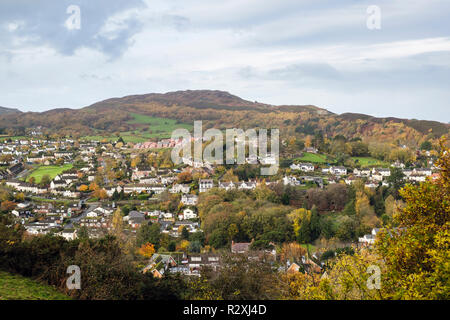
x,y
280,52
44,22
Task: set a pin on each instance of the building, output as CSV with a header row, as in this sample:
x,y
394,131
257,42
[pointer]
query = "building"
x,y
240,247
189,199
205,185
306,167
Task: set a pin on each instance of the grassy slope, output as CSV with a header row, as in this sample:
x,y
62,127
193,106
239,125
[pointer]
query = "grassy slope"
x,y
312,157
52,171
146,127
16,287
368,161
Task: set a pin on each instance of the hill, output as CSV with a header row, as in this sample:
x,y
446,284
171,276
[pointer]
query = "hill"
x,y
4,110
16,287
142,117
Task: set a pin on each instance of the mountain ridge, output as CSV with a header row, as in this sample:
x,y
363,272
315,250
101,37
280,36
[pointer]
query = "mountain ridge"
x,y
218,109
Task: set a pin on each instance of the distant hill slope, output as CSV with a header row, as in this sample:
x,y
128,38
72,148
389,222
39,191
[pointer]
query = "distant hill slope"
x,y
16,287
4,110
221,110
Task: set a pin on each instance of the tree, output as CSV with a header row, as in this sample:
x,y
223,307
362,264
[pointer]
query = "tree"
x,y
32,180
426,145
184,233
93,186
184,177
149,233
83,188
146,250
396,181
117,222
417,254
183,246
7,206
83,233
45,180
292,252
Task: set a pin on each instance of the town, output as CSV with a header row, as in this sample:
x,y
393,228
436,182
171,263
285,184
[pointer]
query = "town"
x,y
73,189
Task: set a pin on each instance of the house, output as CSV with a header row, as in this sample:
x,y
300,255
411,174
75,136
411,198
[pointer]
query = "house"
x,y
180,188
293,268
250,185
15,169
159,264
26,187
227,185
141,172
291,181
361,172
99,212
423,171
196,262
306,167
189,225
269,159
240,247
58,184
369,239
135,219
205,185
383,172
189,214
189,199
407,172
339,171
110,190
68,234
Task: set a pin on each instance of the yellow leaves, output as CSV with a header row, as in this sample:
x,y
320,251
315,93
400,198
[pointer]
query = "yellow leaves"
x,y
146,250
183,246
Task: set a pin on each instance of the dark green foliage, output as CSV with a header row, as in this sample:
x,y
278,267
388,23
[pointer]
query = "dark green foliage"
x,y
148,233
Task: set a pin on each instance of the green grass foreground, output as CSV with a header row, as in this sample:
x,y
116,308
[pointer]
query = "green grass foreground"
x,y
16,287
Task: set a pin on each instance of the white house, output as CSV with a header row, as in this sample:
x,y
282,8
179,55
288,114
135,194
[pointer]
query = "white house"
x,y
306,167
339,171
177,188
227,185
205,185
189,199
189,214
247,185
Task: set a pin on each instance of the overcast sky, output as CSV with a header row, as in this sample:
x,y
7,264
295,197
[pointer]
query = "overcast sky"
x,y
317,52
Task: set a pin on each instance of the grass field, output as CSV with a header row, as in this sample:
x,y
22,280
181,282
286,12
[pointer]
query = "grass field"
x,y
151,127
3,138
313,157
147,127
16,287
52,171
368,161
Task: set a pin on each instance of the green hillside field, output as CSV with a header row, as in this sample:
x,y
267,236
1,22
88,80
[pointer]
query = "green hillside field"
x,y
52,171
16,287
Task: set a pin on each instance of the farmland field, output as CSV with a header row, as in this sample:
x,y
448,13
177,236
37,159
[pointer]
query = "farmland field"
x,y
52,171
313,157
368,161
16,287
146,127
150,127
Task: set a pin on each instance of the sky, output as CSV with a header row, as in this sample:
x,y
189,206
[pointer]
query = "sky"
x,y
378,57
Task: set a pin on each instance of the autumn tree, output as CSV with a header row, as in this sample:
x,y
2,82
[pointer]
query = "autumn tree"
x,y
146,250
417,254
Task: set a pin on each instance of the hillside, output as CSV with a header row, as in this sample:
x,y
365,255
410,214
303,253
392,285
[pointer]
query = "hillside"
x,y
4,110
217,109
16,287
